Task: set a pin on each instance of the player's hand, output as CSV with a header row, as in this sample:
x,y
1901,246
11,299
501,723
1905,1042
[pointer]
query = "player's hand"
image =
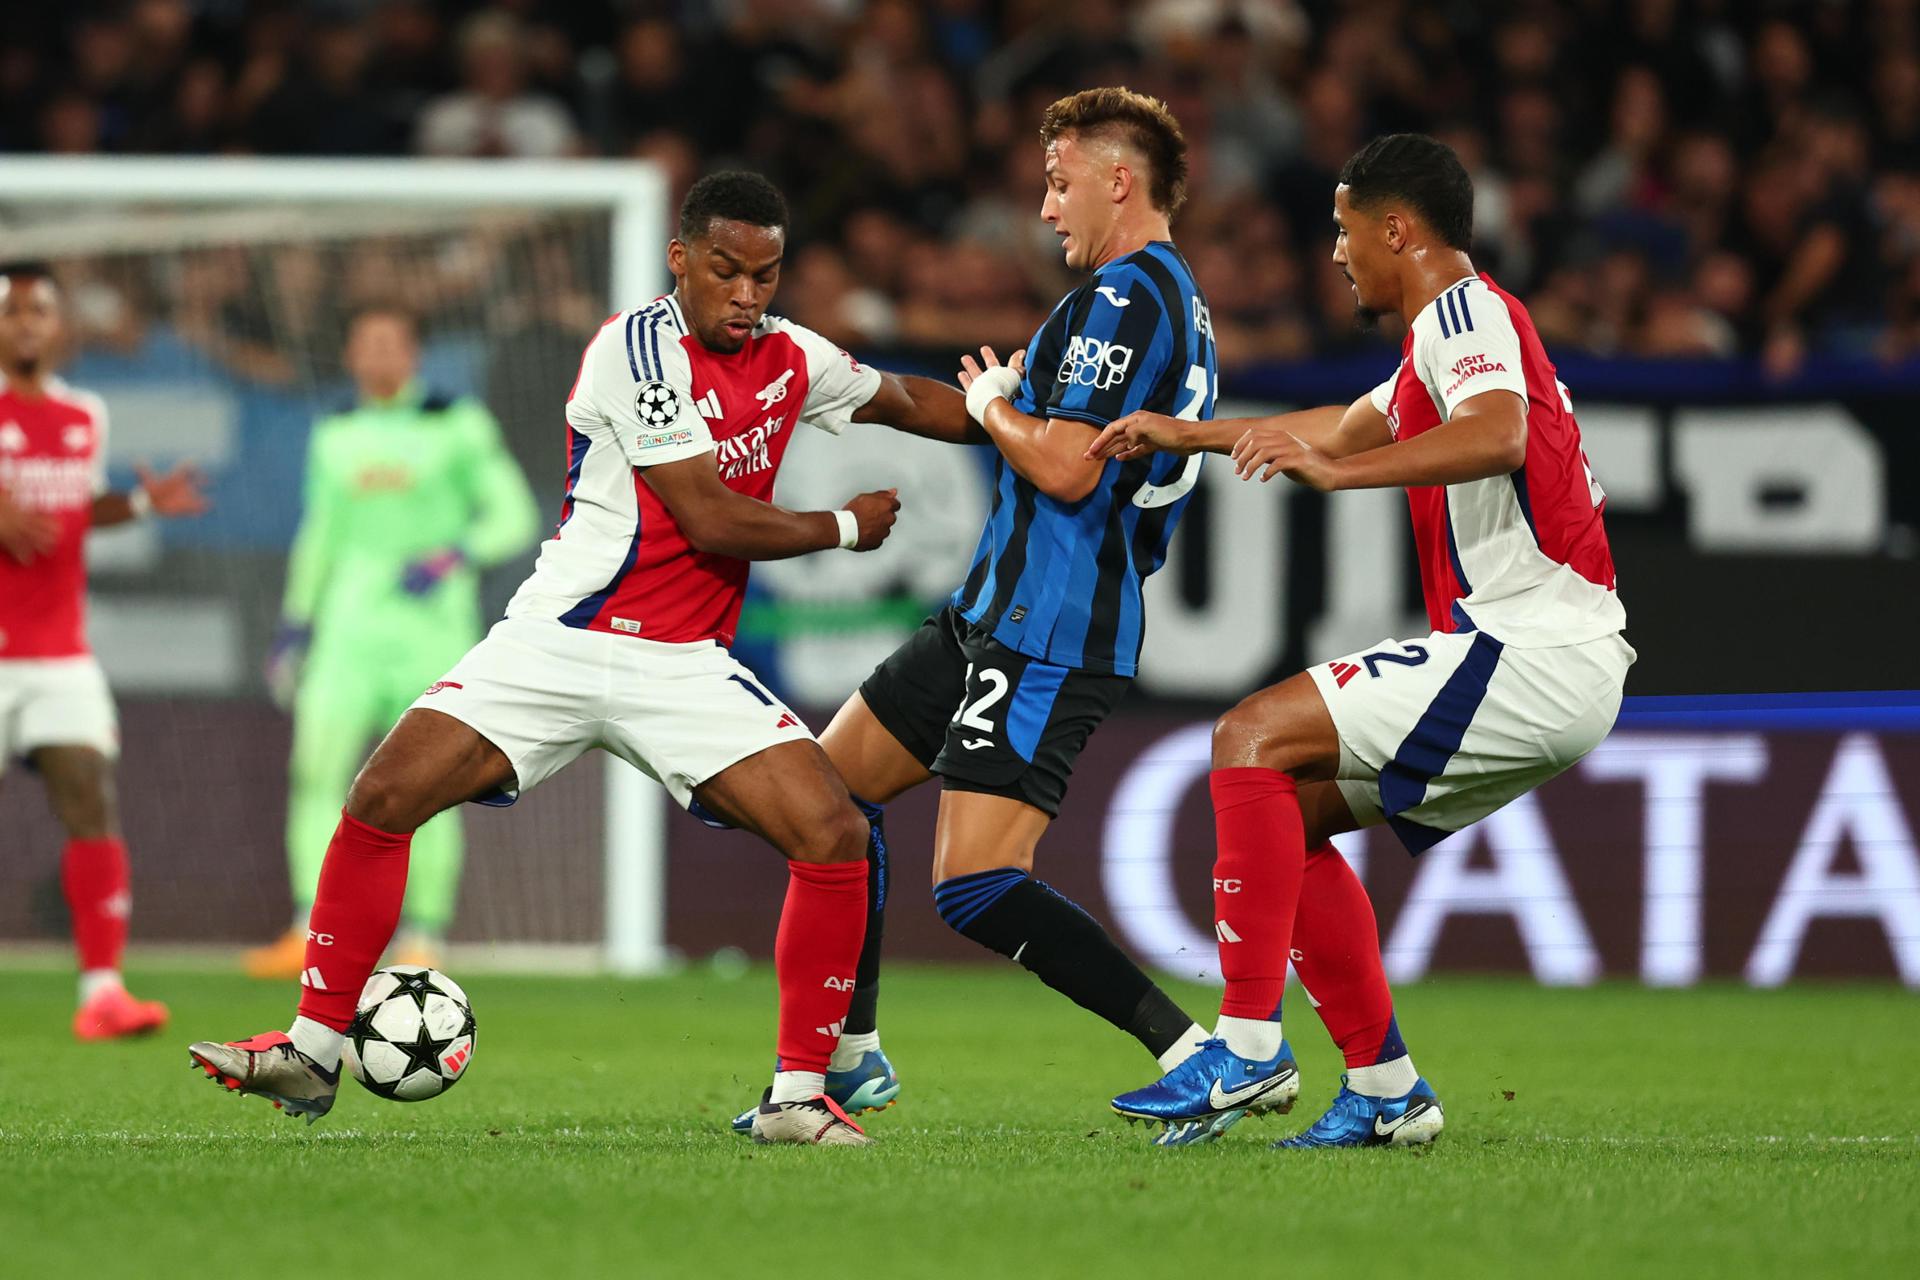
x,y
970,369
1268,451
285,657
876,513
25,534
988,380
426,573
177,493
1141,433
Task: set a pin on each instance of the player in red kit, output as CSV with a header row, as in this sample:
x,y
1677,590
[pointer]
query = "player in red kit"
x,y
55,711
676,427
1522,676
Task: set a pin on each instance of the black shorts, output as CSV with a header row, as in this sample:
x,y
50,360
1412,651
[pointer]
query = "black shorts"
x,y
984,717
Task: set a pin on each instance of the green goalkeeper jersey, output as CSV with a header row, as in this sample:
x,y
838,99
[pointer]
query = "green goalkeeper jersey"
x,y
390,484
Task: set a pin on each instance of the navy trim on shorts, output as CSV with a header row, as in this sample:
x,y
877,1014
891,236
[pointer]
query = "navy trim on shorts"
x,y
1435,739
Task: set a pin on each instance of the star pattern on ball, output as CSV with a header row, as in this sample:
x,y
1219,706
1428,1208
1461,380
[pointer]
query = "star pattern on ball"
x,y
418,984
423,1053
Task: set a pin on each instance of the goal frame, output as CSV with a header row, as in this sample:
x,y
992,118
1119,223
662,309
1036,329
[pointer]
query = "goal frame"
x,y
635,196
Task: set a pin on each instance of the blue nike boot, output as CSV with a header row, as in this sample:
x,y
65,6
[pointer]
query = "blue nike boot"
x,y
1211,1082
1356,1120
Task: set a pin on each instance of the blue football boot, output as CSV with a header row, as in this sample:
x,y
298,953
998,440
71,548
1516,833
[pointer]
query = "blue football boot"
x,y
1356,1120
869,1085
1212,1081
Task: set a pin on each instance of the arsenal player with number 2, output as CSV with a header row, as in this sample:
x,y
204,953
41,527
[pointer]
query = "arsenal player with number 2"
x,y
55,710
1522,676
676,426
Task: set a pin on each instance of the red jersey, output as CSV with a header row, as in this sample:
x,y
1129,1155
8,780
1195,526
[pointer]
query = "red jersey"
x,y
1521,556
53,459
648,393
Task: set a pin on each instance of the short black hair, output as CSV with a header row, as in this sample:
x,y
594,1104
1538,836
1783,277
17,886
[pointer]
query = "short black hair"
x,y
734,195
26,269
1422,171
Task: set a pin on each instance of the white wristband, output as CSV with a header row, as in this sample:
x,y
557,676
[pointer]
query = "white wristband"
x,y
140,502
849,529
997,383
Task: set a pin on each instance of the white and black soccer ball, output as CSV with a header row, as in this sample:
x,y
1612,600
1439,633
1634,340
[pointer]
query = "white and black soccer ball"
x,y
412,1036
657,404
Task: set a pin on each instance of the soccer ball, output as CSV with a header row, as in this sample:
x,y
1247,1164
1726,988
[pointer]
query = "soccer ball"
x,y
412,1036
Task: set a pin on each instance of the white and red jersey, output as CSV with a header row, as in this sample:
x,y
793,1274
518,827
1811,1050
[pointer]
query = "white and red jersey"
x,y
649,393
1521,556
53,459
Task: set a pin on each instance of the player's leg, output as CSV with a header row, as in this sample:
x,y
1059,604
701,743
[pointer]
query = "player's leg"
x,y
871,762
96,880
439,846
876,768
1263,750
336,714
790,796
985,891
428,763
1336,952
1008,745
63,722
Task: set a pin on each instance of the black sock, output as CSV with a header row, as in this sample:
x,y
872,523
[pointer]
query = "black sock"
x,y
863,1015
1008,911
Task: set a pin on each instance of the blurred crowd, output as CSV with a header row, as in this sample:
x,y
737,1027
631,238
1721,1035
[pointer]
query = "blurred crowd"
x,y
1655,178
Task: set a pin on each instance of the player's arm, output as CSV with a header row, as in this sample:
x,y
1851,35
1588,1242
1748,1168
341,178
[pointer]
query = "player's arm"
x,y
1485,436
1474,371
922,407
1337,430
26,534
841,390
506,518
1051,454
717,520
175,495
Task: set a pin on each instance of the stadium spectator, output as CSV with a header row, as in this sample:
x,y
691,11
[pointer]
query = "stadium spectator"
x,y
1741,163
494,113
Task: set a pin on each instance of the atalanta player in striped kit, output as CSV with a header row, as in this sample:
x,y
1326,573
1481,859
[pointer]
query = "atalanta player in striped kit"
x,y
676,427
997,693
1522,676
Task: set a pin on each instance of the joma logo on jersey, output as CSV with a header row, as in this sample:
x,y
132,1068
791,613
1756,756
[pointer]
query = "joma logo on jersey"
x,y
1093,362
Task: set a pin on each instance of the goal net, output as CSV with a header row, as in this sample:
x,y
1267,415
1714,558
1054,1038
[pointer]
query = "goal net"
x,y
208,303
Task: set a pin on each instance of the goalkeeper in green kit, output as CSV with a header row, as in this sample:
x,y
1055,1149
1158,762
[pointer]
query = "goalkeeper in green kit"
x,y
409,495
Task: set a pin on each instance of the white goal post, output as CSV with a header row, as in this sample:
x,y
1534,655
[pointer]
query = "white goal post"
x,y
634,196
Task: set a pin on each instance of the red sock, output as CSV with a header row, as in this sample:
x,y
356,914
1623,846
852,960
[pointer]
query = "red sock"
x,y
99,898
354,915
815,954
1256,885
1336,948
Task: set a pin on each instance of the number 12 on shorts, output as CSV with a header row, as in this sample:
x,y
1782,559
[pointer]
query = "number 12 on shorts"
x,y
972,712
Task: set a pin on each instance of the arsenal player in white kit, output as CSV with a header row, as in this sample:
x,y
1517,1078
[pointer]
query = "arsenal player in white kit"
x,y
55,711
1521,677
675,427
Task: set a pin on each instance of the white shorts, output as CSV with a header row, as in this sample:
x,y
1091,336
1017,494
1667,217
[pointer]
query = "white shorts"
x,y
55,702
1436,734
545,693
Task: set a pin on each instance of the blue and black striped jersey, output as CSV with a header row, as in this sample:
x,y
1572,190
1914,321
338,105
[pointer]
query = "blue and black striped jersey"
x,y
1060,581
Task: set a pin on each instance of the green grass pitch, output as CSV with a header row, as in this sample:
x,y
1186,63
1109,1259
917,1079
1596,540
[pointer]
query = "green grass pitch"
x,y
1604,1132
